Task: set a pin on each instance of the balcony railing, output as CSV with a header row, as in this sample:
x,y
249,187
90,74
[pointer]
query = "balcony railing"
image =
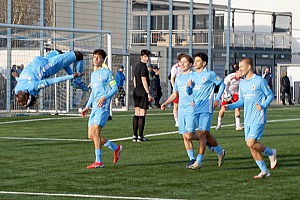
x,y
200,37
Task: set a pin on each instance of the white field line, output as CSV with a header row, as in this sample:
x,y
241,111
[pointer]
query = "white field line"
x,y
81,195
119,139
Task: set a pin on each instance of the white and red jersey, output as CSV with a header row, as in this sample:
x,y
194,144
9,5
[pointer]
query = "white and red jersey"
x,y
232,82
176,70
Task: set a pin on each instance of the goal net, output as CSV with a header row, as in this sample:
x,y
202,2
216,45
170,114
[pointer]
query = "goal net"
x,y
19,44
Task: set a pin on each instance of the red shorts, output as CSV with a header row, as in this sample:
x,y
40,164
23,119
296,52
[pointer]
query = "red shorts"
x,y
176,100
235,97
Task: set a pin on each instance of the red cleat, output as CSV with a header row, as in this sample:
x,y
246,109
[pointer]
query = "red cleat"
x,y
95,165
117,153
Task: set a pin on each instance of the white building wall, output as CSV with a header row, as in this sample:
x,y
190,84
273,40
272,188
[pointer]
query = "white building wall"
x,y
272,6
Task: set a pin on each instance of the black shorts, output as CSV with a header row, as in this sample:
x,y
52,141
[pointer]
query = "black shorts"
x,y
140,98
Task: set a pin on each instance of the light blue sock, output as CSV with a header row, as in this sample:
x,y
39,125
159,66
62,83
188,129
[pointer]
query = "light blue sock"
x,y
268,151
218,150
111,145
200,158
191,154
262,165
98,154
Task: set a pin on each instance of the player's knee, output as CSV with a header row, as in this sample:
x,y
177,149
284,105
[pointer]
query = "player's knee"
x,y
79,55
250,143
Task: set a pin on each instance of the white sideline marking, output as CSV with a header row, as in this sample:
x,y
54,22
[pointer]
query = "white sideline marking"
x,y
81,195
127,138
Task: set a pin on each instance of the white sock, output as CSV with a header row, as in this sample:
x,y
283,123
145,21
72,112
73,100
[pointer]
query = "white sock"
x,y
219,120
237,122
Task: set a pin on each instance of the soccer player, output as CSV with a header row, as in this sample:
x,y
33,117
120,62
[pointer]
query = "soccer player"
x,y
186,118
255,95
231,82
141,96
34,77
175,72
202,87
103,88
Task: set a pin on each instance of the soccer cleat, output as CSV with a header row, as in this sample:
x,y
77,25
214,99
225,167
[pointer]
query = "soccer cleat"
x,y
221,158
176,123
195,166
273,159
262,175
143,139
134,138
239,128
81,86
218,127
95,165
190,163
117,153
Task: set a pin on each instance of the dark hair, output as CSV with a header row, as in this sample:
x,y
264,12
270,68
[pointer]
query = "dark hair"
x,y
179,56
202,55
26,97
145,52
188,57
100,52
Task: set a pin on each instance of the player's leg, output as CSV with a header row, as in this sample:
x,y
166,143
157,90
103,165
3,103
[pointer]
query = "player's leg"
x,y
175,111
60,62
221,115
94,135
238,125
252,135
202,142
77,83
187,128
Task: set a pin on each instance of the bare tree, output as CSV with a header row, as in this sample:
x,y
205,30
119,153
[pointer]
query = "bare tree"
x,y
27,12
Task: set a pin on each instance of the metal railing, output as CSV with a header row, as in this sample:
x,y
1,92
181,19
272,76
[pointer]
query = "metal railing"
x,y
200,37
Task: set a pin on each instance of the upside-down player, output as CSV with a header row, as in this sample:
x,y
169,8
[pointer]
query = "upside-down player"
x,y
34,76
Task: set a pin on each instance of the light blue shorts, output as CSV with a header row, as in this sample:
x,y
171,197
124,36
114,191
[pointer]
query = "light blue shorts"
x,y
203,121
186,122
254,132
98,116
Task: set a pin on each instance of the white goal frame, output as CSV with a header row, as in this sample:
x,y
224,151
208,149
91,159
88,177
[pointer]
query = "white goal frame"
x,y
293,78
41,29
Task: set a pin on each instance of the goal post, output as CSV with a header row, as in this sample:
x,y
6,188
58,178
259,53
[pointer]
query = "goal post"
x,y
19,44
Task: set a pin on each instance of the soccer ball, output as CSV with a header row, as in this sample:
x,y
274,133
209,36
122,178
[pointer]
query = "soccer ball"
x,y
227,97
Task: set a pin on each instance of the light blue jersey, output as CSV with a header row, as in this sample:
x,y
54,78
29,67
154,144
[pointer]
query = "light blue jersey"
x,y
33,76
102,84
251,92
185,100
186,118
203,90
